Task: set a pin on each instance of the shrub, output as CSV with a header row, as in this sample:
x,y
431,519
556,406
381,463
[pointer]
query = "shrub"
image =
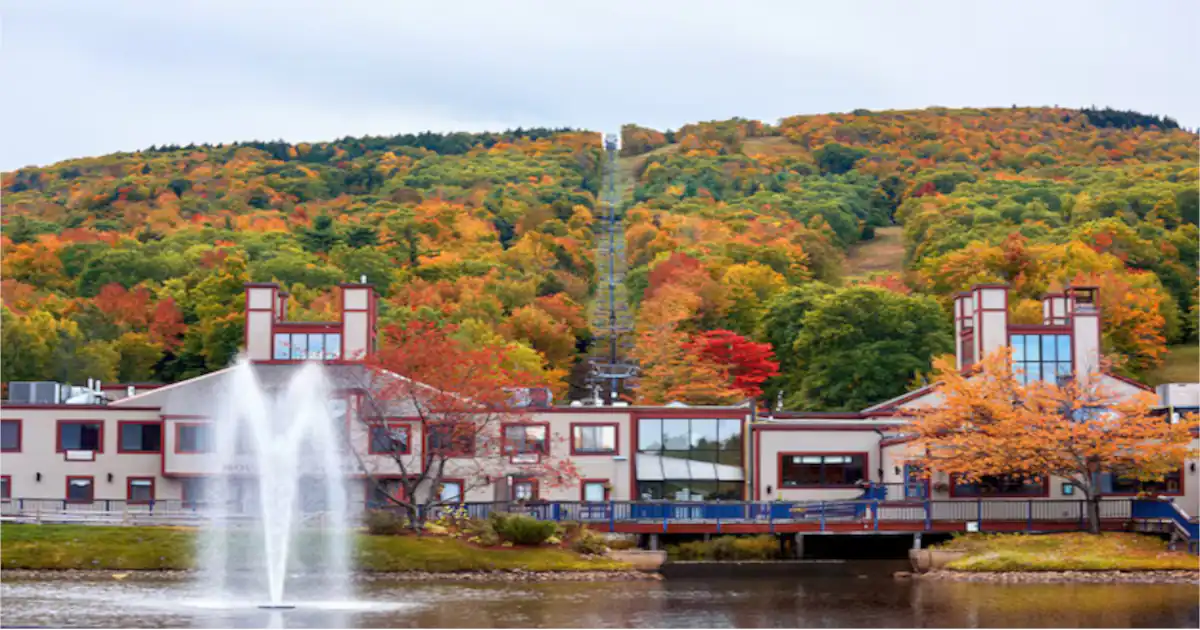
x,y
727,548
621,544
520,529
385,523
588,542
481,532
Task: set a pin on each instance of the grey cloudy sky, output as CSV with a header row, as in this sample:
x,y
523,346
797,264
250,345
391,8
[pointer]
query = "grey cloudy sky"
x,y
85,77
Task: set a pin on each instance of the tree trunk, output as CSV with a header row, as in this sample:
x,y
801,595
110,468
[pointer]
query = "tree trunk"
x,y
1093,513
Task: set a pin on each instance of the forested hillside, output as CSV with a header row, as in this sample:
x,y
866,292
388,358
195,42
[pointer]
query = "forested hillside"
x,y
130,266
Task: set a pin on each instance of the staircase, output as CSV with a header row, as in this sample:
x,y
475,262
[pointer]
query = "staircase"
x,y
1183,526
611,320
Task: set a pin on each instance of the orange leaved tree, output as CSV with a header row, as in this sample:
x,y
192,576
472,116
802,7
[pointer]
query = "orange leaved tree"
x,y
991,423
443,418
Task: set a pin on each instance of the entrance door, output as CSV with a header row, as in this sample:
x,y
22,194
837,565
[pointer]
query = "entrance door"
x,y
915,486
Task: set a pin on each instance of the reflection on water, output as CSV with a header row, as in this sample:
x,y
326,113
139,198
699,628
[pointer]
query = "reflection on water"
x,y
866,597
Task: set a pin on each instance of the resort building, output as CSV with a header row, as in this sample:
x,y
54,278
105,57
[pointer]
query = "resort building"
x,y
143,444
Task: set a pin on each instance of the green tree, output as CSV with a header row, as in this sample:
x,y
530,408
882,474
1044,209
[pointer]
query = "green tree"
x,y
861,345
836,159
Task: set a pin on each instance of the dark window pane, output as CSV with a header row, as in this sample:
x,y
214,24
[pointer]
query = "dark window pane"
x,y
650,435
141,490
79,490
650,490
10,431
141,437
730,432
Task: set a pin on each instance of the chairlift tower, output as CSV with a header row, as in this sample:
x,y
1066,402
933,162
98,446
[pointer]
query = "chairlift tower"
x,y
611,319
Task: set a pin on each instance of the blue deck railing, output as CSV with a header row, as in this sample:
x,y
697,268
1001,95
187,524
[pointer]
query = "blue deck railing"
x,y
866,515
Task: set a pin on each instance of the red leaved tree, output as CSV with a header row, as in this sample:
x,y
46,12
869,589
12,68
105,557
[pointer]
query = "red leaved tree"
x,y
749,363
465,405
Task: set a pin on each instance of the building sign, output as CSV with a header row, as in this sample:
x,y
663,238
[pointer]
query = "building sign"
x,y
314,469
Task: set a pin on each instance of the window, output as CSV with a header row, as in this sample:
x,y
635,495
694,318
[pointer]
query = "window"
x,y
139,437
453,440
451,492
301,346
524,489
690,459
195,491
140,490
594,490
382,491
821,470
999,486
1042,357
526,442
80,489
390,439
593,439
1118,483
10,436
80,435
5,487
193,438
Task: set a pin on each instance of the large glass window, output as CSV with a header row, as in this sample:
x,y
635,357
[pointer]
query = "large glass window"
x,y
594,438
1000,486
141,437
690,459
820,470
1042,357
301,346
80,436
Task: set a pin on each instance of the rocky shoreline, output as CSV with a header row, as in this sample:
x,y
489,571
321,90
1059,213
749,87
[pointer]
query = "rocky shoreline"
x,y
1101,577
406,576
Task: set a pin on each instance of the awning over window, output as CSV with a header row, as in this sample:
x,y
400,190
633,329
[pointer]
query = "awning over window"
x,y
657,468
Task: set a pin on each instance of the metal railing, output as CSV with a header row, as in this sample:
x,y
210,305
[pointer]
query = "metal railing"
x,y
858,514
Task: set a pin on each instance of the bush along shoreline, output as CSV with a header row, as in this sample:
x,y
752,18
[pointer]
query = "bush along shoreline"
x,y
1068,557
503,547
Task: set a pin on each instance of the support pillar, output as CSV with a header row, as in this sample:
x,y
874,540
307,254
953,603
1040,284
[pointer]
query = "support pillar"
x,y
917,540
653,542
798,547
707,537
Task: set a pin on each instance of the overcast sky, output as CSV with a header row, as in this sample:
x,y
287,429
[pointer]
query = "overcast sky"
x,y
86,77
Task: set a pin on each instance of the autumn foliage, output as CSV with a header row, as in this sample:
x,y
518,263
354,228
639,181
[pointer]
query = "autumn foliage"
x,y
991,424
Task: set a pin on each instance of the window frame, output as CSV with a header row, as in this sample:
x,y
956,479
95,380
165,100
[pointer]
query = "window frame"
x,y
866,469
121,424
1176,493
431,429
513,455
535,488
58,435
179,427
584,483
324,332
956,493
1021,365
5,484
129,491
616,450
462,489
92,485
20,424
390,424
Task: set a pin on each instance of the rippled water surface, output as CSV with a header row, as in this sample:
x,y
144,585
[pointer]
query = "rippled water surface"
x,y
850,596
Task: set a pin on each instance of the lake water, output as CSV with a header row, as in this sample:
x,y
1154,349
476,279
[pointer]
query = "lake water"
x,y
855,595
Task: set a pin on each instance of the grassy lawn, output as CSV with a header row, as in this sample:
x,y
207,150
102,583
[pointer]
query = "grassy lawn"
x,y
1181,365
885,252
1066,552
132,548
